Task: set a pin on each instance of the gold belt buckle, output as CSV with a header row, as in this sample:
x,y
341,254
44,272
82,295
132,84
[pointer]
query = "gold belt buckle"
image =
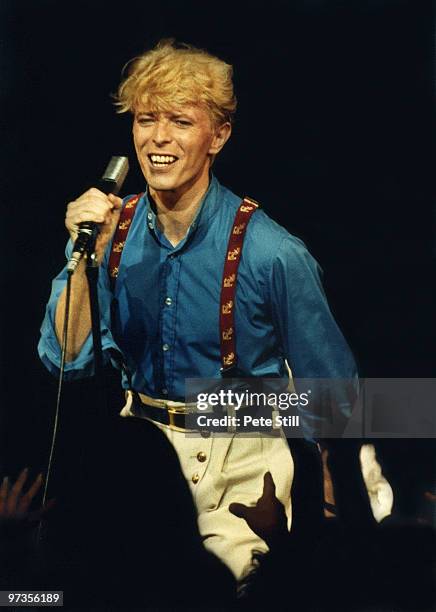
x,y
175,417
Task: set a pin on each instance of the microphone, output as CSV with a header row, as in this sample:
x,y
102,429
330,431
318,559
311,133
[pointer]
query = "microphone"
x,y
111,182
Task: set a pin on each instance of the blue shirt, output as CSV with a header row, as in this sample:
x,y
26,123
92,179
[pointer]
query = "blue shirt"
x,y
166,320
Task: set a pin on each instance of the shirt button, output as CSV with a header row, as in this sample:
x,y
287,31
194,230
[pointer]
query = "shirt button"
x,y
171,256
150,216
165,391
168,301
201,457
150,225
165,347
195,478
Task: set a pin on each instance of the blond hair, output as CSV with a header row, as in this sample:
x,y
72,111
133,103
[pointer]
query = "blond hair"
x,y
171,75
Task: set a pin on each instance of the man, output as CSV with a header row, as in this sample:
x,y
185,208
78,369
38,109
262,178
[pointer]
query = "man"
x,y
166,320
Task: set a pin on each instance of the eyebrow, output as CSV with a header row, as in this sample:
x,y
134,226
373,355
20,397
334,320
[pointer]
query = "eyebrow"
x,y
171,114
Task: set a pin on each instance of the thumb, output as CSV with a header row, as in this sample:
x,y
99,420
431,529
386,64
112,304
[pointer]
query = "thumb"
x,y
116,202
238,510
269,487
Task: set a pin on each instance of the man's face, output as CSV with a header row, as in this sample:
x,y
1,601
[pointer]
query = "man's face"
x,y
174,148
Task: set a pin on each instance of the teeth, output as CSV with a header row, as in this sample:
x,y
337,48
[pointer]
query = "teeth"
x,y
163,159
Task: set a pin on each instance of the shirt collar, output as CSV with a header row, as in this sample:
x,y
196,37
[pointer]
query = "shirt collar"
x,y
207,209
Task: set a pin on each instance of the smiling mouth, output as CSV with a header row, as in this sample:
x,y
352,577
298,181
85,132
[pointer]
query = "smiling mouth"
x,y
162,161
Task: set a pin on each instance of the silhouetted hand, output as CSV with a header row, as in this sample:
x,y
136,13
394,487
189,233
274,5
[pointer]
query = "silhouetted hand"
x,y
268,517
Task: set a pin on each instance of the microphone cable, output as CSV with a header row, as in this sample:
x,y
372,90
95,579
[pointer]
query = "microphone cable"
x,y
58,399
111,182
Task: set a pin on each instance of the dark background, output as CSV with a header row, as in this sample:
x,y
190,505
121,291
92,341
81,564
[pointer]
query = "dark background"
x,y
333,137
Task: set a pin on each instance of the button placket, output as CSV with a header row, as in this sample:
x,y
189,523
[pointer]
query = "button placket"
x,y
168,314
199,458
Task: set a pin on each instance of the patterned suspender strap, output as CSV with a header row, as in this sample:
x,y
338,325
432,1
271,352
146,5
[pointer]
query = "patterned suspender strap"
x,y
230,273
120,236
228,287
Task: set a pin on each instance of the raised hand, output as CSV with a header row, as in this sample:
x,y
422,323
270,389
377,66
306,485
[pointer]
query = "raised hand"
x,y
15,504
268,517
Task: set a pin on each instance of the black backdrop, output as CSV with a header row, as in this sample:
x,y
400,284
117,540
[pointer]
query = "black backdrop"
x,y
333,137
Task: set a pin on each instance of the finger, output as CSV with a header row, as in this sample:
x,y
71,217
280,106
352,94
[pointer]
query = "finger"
x,y
26,499
16,491
269,488
36,485
4,492
116,202
238,510
73,219
98,209
90,203
93,193
4,487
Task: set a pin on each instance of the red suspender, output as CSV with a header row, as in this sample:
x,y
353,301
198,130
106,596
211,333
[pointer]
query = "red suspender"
x,y
228,286
230,273
120,236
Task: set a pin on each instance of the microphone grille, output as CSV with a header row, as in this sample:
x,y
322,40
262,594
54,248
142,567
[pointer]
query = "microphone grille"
x,y
116,170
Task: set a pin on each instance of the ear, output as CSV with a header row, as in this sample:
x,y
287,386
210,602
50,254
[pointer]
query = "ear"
x,y
221,136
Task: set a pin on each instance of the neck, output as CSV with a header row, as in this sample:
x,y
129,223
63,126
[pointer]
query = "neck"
x,y
177,208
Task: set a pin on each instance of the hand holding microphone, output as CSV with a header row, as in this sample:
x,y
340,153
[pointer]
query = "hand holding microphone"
x,y
95,214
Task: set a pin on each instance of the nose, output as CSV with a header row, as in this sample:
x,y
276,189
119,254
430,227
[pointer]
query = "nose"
x,y
161,133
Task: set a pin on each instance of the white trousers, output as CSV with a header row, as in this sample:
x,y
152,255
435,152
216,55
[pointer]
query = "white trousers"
x,y
224,468
233,471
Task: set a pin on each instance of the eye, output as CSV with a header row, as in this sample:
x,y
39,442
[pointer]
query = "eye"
x,y
144,120
182,122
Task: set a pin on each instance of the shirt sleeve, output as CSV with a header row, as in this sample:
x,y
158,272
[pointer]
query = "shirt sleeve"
x,y
49,349
311,340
